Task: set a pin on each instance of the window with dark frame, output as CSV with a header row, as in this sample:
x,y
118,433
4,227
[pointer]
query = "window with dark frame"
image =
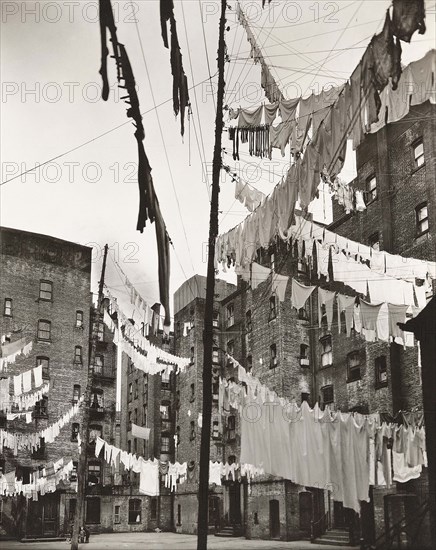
x,y
44,330
272,262
164,444
94,473
39,453
44,362
76,393
303,313
326,351
192,432
231,428
135,385
371,189
418,153
353,366
117,513
94,432
272,308
144,415
192,394
216,319
230,315
165,380
248,321
75,429
78,355
93,510
374,240
79,319
192,355
304,355
7,311
135,510
249,365
130,392
97,399
215,355
381,371
215,429
327,394
41,407
98,364
273,360
45,290
421,219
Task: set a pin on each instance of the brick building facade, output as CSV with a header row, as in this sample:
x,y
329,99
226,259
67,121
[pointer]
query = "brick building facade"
x,y
291,354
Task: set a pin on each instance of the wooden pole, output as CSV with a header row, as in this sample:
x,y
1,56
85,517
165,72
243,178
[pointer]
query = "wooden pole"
x,y
203,489
83,457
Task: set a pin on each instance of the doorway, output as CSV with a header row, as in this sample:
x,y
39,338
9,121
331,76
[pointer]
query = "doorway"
x,y
274,519
43,515
306,510
235,503
341,519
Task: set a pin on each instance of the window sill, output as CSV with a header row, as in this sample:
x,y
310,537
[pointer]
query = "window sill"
x,y
40,341
325,366
44,300
417,169
418,236
381,385
6,315
272,319
351,380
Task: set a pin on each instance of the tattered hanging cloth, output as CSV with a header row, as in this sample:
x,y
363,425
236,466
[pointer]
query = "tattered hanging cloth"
x,y
250,118
107,22
126,74
407,17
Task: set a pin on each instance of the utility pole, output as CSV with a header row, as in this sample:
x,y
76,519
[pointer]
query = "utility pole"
x,y
203,489
83,458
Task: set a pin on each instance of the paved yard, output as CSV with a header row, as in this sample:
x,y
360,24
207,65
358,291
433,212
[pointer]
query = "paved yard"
x,y
165,541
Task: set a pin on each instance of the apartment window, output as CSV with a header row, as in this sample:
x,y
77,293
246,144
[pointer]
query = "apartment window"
x,y
129,446
39,453
248,321
230,315
130,419
165,380
97,399
231,428
98,364
78,355
135,510
303,314
327,394
93,510
164,412
46,290
76,393
302,266
130,392
179,514
215,387
192,394
421,218
100,331
304,396
374,241
94,432
353,364
72,511
144,415
44,330
216,319
117,513
41,407
135,446
94,473
231,347
192,432
45,364
273,360
326,351
418,153
215,355
272,308
164,444
249,363
7,311
75,428
215,429
153,508
304,355
73,474
381,372
79,319
135,385
371,189
272,262
135,416
192,355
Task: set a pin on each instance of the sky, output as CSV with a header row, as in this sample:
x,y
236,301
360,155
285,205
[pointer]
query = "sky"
x,y
52,110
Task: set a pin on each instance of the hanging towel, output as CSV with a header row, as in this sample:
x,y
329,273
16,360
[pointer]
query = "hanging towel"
x,y
139,431
37,376
259,274
287,109
17,384
279,284
369,315
326,298
107,452
27,381
149,477
98,446
346,304
270,111
250,118
397,314
300,294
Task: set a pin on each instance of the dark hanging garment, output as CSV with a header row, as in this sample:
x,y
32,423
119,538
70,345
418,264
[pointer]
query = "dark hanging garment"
x,y
408,16
386,57
180,82
163,249
166,10
132,97
147,197
107,21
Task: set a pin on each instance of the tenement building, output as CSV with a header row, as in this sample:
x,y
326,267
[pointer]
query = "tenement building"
x,y
315,354
44,326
